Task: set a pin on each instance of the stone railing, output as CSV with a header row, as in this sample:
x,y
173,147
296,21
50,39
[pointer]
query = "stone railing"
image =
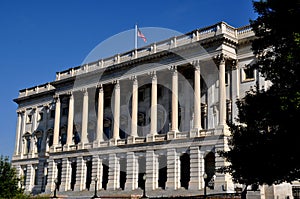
x,y
35,90
196,35
136,140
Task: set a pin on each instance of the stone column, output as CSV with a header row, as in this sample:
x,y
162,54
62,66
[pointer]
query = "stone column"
x,y
23,126
173,170
174,126
52,174
197,97
45,123
113,172
99,133
222,92
70,120
34,119
134,107
56,122
116,111
97,171
33,129
153,125
132,172
66,175
85,108
197,169
18,133
151,171
80,174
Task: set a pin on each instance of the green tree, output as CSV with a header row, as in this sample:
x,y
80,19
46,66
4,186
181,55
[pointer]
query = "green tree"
x,y
264,144
8,180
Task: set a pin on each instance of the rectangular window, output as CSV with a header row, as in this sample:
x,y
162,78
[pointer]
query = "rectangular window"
x,y
247,74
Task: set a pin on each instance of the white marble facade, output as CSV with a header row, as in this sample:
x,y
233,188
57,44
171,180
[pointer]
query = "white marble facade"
x,y
159,112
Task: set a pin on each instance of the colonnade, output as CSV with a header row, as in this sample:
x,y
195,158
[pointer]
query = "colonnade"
x,y
116,111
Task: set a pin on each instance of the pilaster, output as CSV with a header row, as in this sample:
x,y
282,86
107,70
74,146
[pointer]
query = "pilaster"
x,y
223,182
197,169
97,171
29,178
52,173
80,174
151,171
113,172
132,172
173,170
66,175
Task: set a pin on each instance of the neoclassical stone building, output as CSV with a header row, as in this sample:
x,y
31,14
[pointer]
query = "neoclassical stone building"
x,y
150,118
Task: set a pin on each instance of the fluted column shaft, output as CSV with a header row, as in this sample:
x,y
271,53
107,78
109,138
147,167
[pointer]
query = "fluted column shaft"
x,y
153,125
56,122
134,107
222,93
70,120
99,134
22,144
18,133
33,129
197,98
85,108
116,111
174,126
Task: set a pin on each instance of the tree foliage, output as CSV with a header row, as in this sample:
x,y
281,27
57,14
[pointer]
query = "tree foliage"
x,y
8,180
264,148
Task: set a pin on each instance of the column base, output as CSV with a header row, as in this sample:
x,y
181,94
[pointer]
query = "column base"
x,y
131,139
97,143
113,142
195,132
172,135
150,138
223,129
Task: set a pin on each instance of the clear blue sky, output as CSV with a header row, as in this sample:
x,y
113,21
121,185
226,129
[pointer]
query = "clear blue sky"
x,y
39,38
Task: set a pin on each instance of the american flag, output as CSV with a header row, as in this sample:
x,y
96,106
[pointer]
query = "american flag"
x,y
141,35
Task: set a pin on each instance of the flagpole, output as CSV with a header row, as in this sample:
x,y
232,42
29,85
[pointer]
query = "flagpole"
x,y
135,37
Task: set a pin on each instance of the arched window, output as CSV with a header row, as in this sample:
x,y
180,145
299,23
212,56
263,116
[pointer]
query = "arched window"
x,y
209,165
